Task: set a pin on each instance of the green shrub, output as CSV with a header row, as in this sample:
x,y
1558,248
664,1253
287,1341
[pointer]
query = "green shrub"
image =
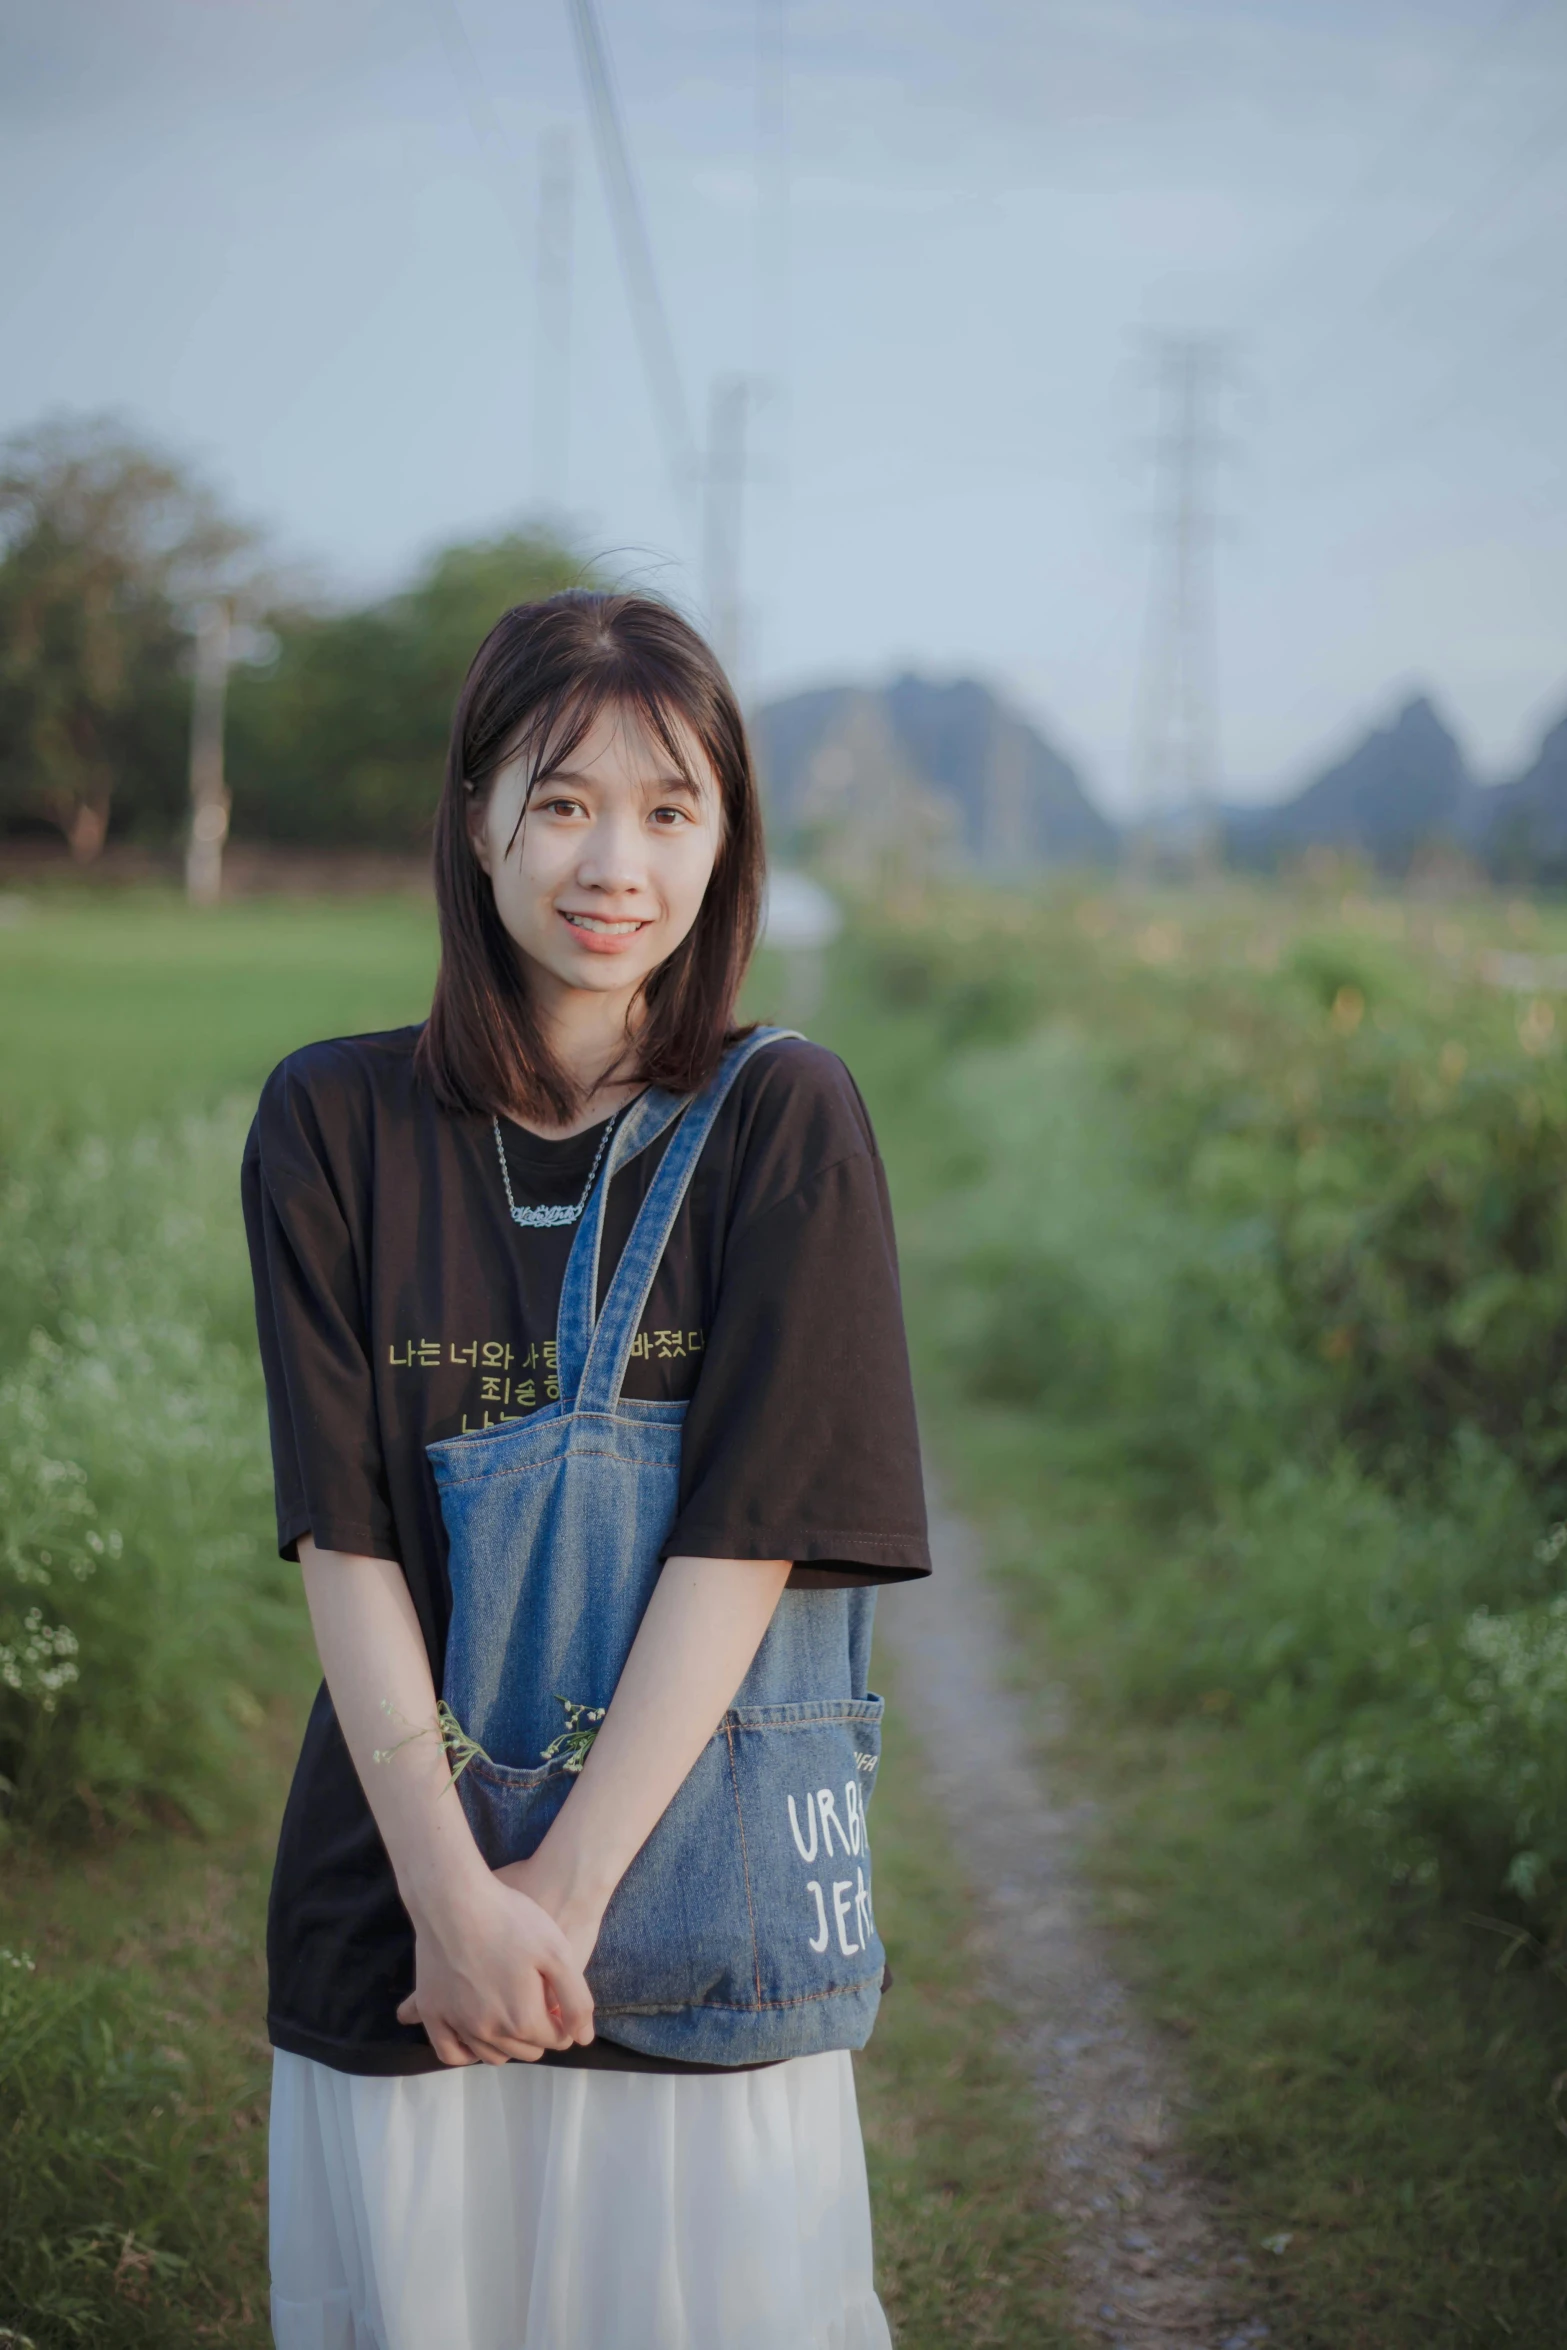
x,y
144,1615
1318,1591
1460,1778
1407,1165
1368,1151
1284,1253
1070,1282
966,974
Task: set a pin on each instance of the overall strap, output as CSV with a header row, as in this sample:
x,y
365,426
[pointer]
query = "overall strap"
x,y
642,1124
593,1351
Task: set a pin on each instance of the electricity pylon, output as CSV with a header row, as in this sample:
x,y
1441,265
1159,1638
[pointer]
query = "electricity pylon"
x,y
1177,750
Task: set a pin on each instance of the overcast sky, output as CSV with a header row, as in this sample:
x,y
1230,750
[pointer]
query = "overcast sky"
x,y
295,240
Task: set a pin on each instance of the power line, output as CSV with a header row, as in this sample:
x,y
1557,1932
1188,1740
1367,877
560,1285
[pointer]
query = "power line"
x,y
1381,172
495,149
1471,213
489,136
654,340
552,254
1476,209
1479,372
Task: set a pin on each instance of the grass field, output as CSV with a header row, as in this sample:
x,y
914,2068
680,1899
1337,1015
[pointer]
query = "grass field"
x,y
117,1007
133,2064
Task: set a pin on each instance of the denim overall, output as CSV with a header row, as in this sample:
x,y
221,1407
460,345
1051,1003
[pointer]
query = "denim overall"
x,y
743,1930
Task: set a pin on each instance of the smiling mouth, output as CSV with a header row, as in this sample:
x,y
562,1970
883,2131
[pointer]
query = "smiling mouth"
x,y
600,928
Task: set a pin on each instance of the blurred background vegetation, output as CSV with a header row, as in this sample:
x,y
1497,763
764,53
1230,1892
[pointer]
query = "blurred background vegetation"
x,y
337,719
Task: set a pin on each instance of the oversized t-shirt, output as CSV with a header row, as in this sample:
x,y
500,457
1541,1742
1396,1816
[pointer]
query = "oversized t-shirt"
x,y
397,1302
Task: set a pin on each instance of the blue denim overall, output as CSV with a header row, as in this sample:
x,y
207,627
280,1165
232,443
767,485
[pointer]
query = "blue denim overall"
x,y
743,1929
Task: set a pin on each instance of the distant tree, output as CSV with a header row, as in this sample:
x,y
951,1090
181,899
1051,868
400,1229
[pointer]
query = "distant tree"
x,y
340,741
104,546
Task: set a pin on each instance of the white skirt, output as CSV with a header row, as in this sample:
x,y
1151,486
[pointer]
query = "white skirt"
x,y
527,2207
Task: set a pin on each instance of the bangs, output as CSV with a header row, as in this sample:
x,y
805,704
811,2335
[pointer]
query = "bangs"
x,y
551,737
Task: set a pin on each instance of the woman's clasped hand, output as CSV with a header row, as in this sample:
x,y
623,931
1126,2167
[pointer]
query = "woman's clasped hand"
x,y
495,1978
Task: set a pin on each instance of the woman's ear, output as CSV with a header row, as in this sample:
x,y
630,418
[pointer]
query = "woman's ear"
x,y
476,806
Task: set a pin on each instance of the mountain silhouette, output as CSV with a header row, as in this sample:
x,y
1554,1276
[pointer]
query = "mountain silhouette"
x,y
1405,787
946,773
1522,826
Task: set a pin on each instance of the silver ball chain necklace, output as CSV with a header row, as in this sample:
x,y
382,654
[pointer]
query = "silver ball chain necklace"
x,y
551,1216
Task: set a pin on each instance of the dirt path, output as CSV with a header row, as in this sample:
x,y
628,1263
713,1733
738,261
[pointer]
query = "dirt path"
x,y
1151,2269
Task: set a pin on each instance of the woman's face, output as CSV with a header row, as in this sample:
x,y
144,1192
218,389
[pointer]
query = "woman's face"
x,y
607,872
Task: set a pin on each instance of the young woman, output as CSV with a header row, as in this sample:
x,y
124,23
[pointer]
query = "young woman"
x,y
593,1434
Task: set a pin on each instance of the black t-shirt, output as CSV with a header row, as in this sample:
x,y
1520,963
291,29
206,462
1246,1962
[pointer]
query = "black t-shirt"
x,y
397,1302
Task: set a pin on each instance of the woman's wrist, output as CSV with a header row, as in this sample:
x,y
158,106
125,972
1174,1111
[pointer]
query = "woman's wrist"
x,y
562,1880
436,1884
569,1879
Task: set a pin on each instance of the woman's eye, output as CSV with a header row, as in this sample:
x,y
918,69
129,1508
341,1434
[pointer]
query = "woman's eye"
x,y
670,817
561,807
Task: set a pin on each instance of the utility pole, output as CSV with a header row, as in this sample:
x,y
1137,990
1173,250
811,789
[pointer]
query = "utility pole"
x,y
209,798
770,265
1177,758
552,348
723,515
629,222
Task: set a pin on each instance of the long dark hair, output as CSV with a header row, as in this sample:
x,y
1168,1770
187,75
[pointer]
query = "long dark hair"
x,y
537,683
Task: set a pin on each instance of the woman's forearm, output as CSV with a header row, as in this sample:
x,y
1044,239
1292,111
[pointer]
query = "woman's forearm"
x,y
495,1974
373,1655
703,1625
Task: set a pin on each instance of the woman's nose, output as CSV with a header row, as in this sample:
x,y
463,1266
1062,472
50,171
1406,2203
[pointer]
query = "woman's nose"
x,y
612,856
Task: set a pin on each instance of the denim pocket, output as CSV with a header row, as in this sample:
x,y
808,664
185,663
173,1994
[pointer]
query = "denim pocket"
x,y
678,1932
754,1889
803,1776
509,1810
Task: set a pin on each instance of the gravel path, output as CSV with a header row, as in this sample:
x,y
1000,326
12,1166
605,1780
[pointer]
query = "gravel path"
x,y
1151,2269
